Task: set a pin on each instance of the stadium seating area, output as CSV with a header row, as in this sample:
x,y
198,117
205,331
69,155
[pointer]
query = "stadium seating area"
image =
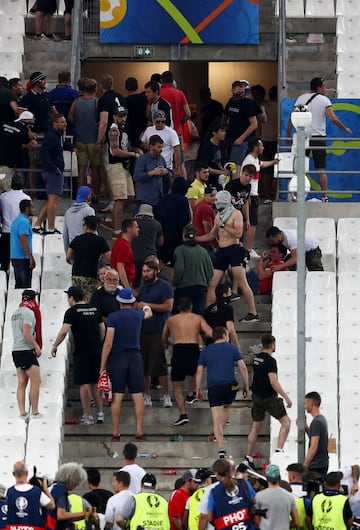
x,y
332,335
39,441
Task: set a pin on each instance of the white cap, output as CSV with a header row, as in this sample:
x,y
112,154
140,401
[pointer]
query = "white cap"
x,y
26,115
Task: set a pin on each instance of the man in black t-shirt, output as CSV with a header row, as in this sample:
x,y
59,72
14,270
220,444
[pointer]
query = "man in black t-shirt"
x,y
104,298
265,390
108,105
88,331
221,313
85,252
8,104
239,189
212,152
97,496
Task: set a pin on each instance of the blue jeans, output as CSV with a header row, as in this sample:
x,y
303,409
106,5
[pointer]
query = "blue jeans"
x,y
23,273
238,153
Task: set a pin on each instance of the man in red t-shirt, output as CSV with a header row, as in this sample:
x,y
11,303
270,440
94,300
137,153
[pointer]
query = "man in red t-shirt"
x,y
204,215
122,257
177,99
264,265
177,501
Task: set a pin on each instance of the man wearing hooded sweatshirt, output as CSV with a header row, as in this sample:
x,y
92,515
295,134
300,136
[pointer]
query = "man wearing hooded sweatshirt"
x,y
75,215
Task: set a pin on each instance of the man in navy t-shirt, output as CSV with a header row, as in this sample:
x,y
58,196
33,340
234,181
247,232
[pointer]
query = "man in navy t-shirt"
x,y
219,359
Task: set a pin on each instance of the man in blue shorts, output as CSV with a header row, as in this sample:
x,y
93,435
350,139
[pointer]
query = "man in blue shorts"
x,y
219,359
121,356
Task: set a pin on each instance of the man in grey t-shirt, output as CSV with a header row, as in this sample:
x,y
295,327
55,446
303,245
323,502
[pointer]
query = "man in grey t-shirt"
x,y
25,353
317,457
279,504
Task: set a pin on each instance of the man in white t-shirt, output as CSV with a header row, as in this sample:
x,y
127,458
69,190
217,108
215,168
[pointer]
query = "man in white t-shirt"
x,y
351,480
320,107
120,506
288,238
136,472
256,149
171,148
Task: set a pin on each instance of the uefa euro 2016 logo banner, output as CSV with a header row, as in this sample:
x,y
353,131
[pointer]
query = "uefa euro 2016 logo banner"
x,y
338,157
179,21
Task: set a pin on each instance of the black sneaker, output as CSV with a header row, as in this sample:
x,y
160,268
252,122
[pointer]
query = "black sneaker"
x,y
249,461
39,231
234,297
250,318
222,453
190,399
50,232
182,419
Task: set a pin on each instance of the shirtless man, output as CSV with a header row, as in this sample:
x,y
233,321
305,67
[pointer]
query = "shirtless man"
x,y
228,228
184,329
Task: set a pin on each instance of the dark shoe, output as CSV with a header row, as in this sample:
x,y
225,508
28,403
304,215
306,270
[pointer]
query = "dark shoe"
x,y
140,437
190,399
249,461
234,297
182,420
39,231
115,438
222,453
250,318
50,232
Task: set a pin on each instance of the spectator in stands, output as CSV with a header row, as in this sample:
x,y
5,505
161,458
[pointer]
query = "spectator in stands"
x,y
179,497
135,471
204,216
148,241
97,496
193,271
320,107
39,102
255,150
104,298
240,189
269,135
52,159
184,329
222,385
35,498
102,271
26,330
85,252
221,313
191,142
21,255
351,480
191,515
264,266
87,330
174,214
120,505
8,102
17,89
177,99
84,116
212,152
136,104
149,506
121,356
14,136
265,390
150,172
288,238
317,456
156,103
281,511
211,112
122,257
196,191
69,4
63,96
171,144
68,477
75,215
44,12
156,293
9,208
228,229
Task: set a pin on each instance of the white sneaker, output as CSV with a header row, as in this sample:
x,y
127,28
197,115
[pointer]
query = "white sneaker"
x,y
37,416
86,420
254,254
147,400
166,399
100,417
25,416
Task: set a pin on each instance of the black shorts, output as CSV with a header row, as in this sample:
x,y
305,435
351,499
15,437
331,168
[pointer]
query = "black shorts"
x,y
272,405
219,395
69,4
319,155
234,255
86,368
253,210
46,6
25,359
126,370
184,361
153,354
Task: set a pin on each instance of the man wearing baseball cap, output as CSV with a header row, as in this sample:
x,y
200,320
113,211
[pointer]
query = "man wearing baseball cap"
x,y
151,509
179,497
278,503
191,514
75,215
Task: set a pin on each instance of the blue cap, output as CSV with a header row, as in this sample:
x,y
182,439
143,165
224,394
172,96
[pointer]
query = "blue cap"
x,y
272,473
82,194
126,296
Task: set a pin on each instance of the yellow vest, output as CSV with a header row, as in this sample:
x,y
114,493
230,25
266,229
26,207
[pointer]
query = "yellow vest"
x,y
193,521
328,512
300,505
151,512
76,506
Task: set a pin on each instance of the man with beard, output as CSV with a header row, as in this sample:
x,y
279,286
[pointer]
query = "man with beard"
x,y
105,297
158,295
196,191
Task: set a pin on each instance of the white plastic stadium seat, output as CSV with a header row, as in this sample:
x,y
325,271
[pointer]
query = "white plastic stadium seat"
x,y
348,83
319,8
349,329
43,452
324,345
13,7
12,43
349,263
294,8
349,299
284,305
12,59
286,223
284,280
318,280
56,280
351,245
346,44
347,7
348,24
54,245
315,329
53,300
348,227
285,329
55,262
347,61
316,309
12,25
285,168
320,227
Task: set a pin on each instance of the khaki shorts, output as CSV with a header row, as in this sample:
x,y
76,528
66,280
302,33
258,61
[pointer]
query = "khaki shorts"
x,y
272,405
121,182
5,184
88,153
